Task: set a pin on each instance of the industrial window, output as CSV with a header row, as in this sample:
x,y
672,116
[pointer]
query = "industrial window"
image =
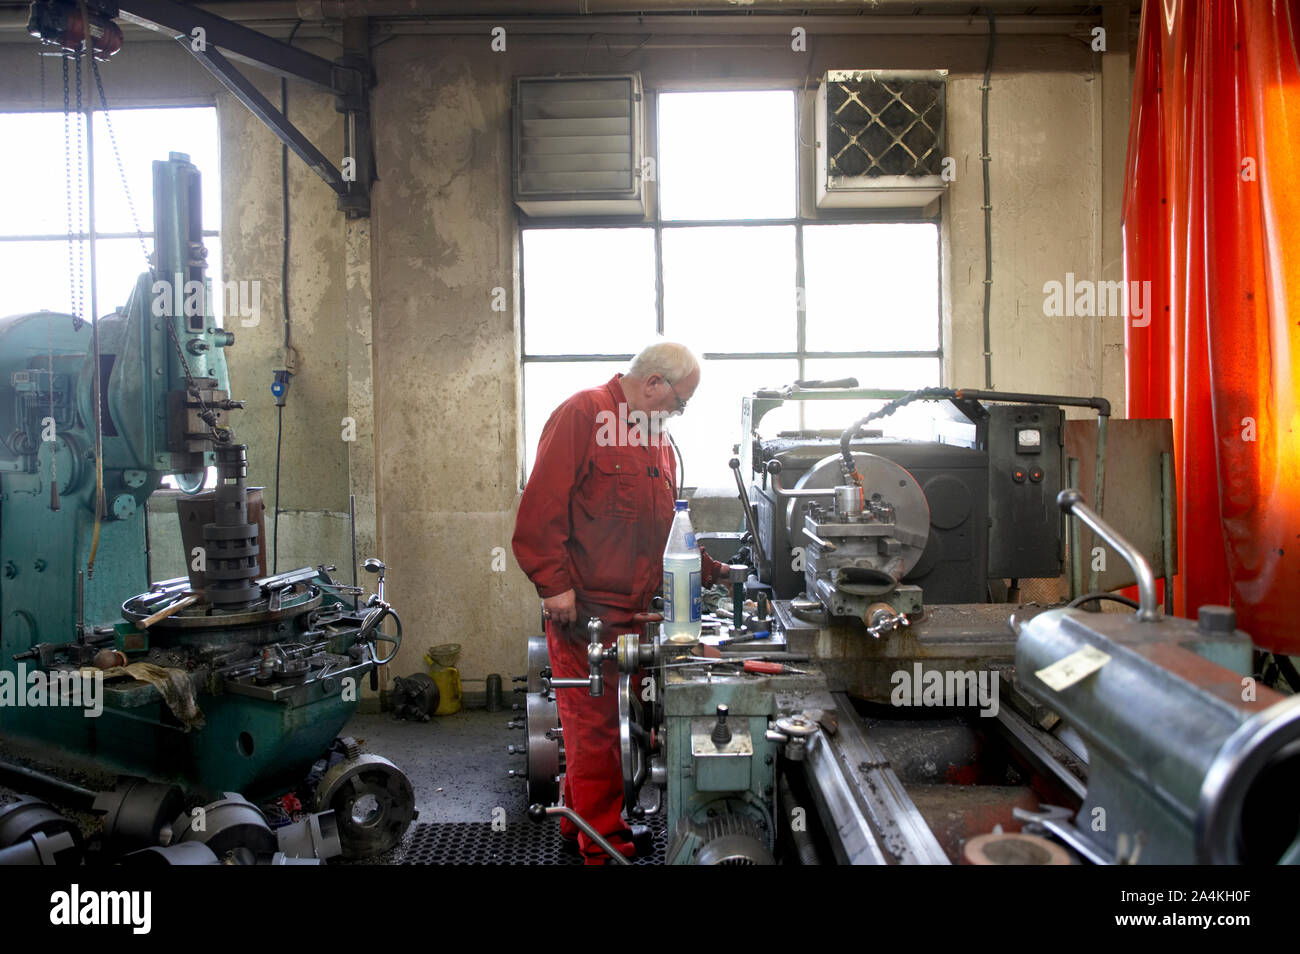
x,y
36,262
730,268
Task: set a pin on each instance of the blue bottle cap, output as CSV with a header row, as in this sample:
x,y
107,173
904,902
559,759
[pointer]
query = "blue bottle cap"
x,y
680,505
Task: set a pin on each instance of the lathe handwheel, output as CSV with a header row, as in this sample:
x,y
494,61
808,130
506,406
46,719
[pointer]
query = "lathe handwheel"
x,y
632,751
371,633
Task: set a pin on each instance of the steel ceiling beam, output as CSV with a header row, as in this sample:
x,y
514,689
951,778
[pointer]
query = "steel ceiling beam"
x,y
349,79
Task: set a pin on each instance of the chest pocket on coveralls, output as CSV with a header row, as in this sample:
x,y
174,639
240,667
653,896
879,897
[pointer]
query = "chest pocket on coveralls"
x,y
618,475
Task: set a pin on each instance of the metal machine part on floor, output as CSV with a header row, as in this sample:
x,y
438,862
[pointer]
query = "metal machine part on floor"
x,y
154,824
231,678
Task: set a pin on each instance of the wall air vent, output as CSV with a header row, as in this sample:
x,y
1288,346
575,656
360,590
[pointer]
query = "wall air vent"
x,y
578,145
880,138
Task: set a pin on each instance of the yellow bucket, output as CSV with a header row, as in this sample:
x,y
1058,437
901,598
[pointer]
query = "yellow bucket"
x,y
441,661
448,682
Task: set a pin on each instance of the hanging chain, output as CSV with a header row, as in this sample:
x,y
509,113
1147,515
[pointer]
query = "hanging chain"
x,y
67,185
80,298
117,155
49,330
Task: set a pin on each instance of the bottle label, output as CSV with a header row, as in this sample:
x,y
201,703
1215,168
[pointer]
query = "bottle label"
x,y
691,606
690,541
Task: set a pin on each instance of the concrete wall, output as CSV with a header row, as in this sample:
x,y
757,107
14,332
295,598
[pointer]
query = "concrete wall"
x,y
444,228
392,318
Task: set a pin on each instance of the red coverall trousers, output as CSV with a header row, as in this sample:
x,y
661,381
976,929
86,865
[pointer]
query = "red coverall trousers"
x,y
593,780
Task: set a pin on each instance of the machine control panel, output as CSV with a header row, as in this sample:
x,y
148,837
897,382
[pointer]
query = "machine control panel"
x,y
1026,471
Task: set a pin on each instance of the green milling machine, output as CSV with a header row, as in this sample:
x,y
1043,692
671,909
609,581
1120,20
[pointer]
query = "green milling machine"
x,y
228,680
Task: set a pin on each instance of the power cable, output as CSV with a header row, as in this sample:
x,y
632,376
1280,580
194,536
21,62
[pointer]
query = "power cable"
x,y
275,520
681,464
985,159
284,306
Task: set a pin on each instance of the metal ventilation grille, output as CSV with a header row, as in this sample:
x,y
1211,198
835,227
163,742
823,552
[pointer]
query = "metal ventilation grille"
x,y
885,127
880,138
578,140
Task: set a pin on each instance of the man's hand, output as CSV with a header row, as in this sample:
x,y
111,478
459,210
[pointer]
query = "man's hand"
x,y
562,609
712,573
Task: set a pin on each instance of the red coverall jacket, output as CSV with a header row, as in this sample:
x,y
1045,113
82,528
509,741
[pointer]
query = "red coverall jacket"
x,y
595,515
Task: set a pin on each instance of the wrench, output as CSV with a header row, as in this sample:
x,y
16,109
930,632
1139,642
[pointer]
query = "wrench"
x,y
1055,820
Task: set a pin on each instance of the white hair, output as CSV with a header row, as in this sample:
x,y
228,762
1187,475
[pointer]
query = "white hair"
x,y
668,359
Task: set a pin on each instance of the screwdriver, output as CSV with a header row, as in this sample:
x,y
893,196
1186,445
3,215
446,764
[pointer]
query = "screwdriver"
x,y
749,665
770,668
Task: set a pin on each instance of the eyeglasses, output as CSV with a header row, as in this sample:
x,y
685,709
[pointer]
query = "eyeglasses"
x,y
681,405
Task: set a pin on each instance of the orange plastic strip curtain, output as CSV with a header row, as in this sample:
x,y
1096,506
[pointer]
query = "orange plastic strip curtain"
x,y
1212,221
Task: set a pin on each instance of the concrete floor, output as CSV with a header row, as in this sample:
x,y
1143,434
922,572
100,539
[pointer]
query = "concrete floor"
x,y
457,763
458,766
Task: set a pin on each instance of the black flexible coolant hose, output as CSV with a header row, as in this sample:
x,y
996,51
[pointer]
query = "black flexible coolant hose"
x,y
924,394
1089,597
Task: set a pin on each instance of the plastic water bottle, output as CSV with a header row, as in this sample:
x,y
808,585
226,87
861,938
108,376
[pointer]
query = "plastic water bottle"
x,y
681,579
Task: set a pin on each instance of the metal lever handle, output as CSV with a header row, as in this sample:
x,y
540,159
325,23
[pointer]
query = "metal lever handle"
x,y
824,544
1071,501
751,520
596,656
537,812
774,469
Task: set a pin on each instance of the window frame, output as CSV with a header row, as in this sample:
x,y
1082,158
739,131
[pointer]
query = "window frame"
x,y
94,235
654,220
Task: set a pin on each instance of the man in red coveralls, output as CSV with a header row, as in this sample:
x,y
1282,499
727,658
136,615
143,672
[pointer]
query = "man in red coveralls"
x,y
590,534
